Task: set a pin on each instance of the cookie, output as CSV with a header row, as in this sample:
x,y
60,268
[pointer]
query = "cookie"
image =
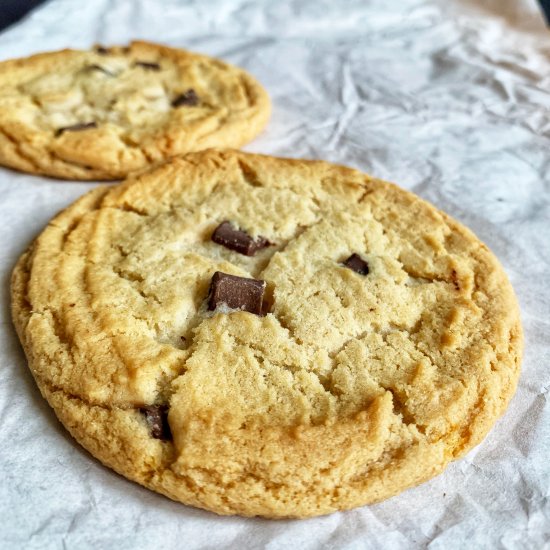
x,y
261,336
101,114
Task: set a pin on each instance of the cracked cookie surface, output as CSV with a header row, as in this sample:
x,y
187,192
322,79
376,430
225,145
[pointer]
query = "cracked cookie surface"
x,y
103,113
391,343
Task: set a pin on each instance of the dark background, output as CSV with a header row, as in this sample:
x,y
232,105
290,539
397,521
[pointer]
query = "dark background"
x,y
12,10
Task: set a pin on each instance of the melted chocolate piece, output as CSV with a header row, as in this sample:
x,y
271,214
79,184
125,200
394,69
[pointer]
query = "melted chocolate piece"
x,y
240,241
151,66
76,127
157,419
357,264
236,293
189,98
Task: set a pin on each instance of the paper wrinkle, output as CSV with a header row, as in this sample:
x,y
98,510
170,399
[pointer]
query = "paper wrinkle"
x,y
448,98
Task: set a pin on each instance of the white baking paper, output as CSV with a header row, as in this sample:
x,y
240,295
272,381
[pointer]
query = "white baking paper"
x,y
448,98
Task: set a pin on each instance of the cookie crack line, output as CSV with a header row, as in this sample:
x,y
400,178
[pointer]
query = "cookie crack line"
x,y
401,410
73,396
133,278
285,243
18,149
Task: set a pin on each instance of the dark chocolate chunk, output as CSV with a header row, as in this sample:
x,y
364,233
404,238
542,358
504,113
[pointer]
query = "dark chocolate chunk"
x,y
148,65
240,241
357,264
189,98
157,419
76,127
99,68
101,50
236,293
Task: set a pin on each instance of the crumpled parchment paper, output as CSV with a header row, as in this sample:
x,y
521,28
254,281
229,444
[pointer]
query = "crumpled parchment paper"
x,y
448,98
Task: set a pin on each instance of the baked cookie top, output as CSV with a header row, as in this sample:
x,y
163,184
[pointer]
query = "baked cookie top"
x,y
266,336
100,114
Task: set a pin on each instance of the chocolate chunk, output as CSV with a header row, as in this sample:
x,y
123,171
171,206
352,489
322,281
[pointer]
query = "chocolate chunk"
x,y
101,50
147,65
189,98
100,69
357,264
236,293
76,127
157,419
240,241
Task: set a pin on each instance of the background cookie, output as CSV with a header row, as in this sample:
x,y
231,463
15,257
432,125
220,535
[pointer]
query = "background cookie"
x,y
391,342
103,113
